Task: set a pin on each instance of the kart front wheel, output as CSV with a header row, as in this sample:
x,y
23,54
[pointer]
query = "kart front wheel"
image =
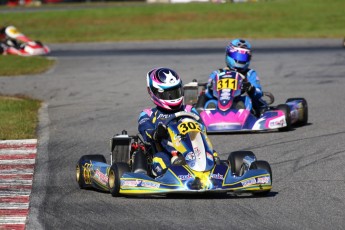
x,y
304,112
236,161
266,166
115,173
81,172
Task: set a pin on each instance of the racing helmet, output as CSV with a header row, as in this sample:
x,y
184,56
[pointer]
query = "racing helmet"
x,y
165,88
238,54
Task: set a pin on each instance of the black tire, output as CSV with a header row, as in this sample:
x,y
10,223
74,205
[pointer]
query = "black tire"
x,y
286,110
115,173
304,119
80,171
121,154
236,160
262,165
139,164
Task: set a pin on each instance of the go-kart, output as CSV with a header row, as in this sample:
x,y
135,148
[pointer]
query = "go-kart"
x,y
233,110
16,43
199,171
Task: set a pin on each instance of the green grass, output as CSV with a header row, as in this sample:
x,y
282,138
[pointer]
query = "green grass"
x,y
17,65
139,21
18,117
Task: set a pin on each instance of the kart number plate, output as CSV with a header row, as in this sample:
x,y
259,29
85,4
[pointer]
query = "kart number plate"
x,y
186,127
227,83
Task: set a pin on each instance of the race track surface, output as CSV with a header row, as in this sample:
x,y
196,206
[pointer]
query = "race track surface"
x,y
97,90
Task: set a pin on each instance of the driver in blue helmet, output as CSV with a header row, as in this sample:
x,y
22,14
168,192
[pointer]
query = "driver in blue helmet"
x,y
165,89
237,57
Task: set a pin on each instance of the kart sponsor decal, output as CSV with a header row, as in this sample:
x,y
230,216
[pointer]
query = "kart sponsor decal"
x,y
185,177
139,183
101,177
263,180
190,156
163,116
149,184
277,123
197,151
186,127
130,183
227,83
217,176
225,95
248,182
142,121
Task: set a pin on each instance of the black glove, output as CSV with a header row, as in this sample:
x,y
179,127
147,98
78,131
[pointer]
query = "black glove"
x,y
160,133
247,88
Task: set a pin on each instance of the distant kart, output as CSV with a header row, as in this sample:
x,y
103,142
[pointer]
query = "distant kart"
x,y
16,43
233,111
199,171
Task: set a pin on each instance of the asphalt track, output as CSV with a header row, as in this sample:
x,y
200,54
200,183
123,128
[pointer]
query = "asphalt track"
x,y
97,90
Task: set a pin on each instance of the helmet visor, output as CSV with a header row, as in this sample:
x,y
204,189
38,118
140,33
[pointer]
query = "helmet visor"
x,y
240,55
168,94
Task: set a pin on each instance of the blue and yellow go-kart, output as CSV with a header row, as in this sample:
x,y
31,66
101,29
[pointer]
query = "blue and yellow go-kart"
x,y
200,171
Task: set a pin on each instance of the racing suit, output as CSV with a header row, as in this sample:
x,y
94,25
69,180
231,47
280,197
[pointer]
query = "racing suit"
x,y
255,94
148,122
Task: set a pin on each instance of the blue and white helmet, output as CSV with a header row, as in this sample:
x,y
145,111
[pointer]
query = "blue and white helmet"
x,y
238,54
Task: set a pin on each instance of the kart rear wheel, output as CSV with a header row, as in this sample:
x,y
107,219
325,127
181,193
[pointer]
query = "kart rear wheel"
x,y
286,110
236,161
80,171
304,119
115,173
262,165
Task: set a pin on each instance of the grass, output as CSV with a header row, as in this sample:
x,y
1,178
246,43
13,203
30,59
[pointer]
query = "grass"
x,y
139,21
17,65
18,117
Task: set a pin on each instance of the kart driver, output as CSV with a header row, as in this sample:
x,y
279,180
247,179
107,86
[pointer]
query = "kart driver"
x,y
237,58
6,41
165,89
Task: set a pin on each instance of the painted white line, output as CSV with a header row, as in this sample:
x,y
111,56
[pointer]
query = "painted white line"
x,y
17,151
2,171
15,193
18,142
15,162
14,205
12,220
15,182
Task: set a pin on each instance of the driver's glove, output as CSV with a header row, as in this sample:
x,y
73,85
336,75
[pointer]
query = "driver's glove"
x,y
160,133
247,88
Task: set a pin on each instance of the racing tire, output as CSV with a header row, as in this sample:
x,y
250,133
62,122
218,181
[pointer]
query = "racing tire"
x,y
139,164
304,119
262,165
286,110
115,173
80,171
236,161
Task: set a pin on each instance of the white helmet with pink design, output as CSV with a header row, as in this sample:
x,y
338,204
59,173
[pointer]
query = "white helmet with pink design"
x,y
165,88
